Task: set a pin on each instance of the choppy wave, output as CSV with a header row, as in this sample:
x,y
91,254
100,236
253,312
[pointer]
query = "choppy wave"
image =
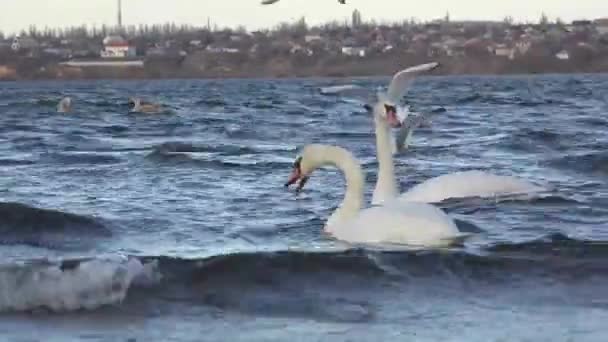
x,y
254,281
591,162
185,147
209,179
15,162
556,245
23,224
214,156
83,158
67,286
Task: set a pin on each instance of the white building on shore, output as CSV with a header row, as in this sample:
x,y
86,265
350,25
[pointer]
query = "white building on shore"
x,y
117,47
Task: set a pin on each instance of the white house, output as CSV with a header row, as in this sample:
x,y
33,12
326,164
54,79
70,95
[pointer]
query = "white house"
x,y
117,47
196,43
504,51
299,49
523,46
20,43
353,51
220,49
563,55
309,38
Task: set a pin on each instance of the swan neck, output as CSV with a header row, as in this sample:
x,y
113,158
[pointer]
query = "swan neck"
x,y
386,183
354,178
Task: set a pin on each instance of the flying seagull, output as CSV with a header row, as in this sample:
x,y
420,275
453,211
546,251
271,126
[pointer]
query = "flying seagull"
x,y
397,89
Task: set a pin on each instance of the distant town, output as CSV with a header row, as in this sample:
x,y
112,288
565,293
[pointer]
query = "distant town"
x,y
353,48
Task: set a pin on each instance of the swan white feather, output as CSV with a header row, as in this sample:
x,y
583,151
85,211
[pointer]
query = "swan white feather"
x,y
468,184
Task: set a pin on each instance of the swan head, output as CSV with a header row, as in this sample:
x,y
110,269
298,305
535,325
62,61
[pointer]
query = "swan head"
x,y
389,111
315,156
135,101
298,174
312,157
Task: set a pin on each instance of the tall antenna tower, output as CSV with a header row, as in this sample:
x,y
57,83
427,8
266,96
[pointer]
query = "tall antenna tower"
x,y
119,14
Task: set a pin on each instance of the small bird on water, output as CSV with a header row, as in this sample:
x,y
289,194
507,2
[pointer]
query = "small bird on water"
x,y
140,107
65,105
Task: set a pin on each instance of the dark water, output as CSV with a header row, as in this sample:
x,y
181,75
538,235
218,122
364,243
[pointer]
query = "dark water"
x,y
196,196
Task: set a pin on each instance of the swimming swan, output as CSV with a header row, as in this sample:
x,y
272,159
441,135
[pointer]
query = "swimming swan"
x,y
140,107
453,185
412,223
65,105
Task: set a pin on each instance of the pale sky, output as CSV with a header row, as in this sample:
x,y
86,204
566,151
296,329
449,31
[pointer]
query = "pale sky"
x,y
18,14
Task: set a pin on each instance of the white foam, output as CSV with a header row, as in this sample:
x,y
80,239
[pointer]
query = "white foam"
x,y
89,285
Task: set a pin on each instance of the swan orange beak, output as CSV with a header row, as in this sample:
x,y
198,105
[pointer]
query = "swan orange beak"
x,y
294,177
391,116
303,181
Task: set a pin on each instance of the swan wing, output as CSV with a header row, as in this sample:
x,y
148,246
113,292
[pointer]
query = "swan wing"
x,y
467,184
404,78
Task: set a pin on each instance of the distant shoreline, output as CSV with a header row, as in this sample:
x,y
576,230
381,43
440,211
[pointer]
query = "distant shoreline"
x,y
289,77
286,69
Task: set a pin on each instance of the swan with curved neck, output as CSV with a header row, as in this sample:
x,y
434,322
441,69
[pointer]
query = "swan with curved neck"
x,y
65,105
453,185
414,223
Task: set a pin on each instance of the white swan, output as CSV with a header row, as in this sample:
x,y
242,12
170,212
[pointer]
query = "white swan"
x,y
418,224
140,107
453,185
65,105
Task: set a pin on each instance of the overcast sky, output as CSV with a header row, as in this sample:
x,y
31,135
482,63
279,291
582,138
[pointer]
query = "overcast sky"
x,y
18,14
